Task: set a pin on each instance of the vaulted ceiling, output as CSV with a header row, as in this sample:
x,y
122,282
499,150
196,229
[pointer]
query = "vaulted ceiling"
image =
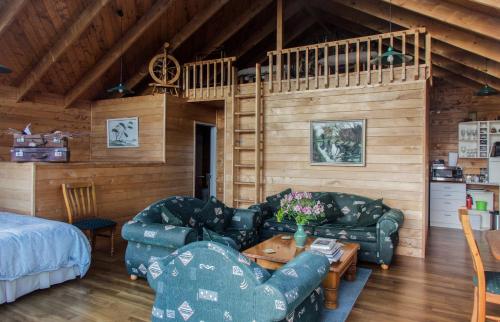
x,y
73,48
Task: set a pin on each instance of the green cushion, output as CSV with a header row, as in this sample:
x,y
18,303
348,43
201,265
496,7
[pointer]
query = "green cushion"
x,y
331,210
169,218
275,200
370,213
492,282
215,215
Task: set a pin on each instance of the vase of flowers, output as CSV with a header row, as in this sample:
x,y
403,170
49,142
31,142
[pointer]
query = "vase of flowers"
x,y
301,208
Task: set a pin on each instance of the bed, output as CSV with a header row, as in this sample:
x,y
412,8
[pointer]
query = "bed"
x,y
36,253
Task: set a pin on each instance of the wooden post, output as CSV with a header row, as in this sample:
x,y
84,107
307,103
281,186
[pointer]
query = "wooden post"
x,y
325,55
307,68
270,72
416,55
357,62
403,51
428,62
368,62
391,66
347,63
289,85
336,65
222,77
258,99
279,42
230,77
297,70
194,79
380,59
316,71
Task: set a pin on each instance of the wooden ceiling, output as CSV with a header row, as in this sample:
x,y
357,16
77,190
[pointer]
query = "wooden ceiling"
x,y
73,48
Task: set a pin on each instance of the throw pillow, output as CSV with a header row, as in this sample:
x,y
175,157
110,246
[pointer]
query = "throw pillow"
x,y
331,210
209,235
275,200
215,215
169,218
370,213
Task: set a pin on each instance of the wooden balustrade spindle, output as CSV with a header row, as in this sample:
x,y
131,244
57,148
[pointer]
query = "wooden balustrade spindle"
x,y
195,81
347,63
403,52
316,69
325,55
270,72
391,64
297,70
336,65
416,55
307,68
368,62
379,59
215,79
289,85
357,62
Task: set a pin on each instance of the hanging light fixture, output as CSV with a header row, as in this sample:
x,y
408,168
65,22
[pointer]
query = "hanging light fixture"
x,y
391,56
486,90
5,69
120,88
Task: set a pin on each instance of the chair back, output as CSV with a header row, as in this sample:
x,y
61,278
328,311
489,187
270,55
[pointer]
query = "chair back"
x,y
476,258
80,200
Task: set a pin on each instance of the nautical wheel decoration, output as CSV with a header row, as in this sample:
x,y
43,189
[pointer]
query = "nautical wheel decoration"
x,y
165,71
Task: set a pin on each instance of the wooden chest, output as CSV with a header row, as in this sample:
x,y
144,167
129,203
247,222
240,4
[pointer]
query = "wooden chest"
x,y
39,141
39,154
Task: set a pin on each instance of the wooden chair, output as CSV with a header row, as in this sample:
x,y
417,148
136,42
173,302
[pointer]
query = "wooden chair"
x,y
486,284
80,199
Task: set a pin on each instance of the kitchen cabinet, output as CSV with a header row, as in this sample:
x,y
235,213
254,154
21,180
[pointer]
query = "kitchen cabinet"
x,y
445,200
476,138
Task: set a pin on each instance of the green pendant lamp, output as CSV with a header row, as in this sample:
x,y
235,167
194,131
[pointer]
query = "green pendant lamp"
x,y
5,69
391,56
486,90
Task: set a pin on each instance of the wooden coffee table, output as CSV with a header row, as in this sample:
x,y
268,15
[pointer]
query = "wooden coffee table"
x,y
285,251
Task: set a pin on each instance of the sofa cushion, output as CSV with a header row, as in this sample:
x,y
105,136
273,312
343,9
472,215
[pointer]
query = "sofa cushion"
x,y
368,234
331,210
275,200
370,213
215,215
169,218
286,226
243,238
184,208
348,206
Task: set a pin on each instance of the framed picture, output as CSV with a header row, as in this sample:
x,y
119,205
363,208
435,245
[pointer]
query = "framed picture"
x,y
340,143
123,133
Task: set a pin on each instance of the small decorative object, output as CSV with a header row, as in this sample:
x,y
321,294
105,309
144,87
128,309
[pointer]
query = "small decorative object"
x,y
269,251
493,130
286,237
473,116
165,70
300,207
340,143
123,133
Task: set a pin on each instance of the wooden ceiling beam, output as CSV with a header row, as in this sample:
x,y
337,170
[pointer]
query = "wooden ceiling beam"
x,y
457,16
453,78
72,34
438,47
234,25
10,12
256,37
122,45
180,37
457,37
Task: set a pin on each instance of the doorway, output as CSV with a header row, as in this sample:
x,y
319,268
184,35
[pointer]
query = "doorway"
x,y
205,160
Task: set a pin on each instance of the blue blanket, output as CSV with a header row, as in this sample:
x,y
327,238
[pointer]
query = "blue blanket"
x,y
30,245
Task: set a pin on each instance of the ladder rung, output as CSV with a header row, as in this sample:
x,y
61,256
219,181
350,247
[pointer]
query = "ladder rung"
x,y
240,183
244,165
244,148
245,113
249,95
245,200
244,131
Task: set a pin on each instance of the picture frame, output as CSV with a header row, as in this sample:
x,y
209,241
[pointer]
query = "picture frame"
x,y
338,142
122,133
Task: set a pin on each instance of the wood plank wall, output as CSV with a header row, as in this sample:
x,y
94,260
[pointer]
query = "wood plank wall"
x,y
150,112
450,105
46,114
396,157
16,187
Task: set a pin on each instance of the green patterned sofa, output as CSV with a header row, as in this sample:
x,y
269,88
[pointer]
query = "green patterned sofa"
x,y
150,237
207,281
377,240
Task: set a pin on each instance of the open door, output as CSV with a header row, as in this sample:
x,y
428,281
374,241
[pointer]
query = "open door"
x,y
205,161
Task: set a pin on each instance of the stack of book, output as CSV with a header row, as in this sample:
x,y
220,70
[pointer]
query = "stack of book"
x,y
329,247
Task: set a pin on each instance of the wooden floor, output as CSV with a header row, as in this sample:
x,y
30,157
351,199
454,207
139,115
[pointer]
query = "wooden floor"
x,y
438,288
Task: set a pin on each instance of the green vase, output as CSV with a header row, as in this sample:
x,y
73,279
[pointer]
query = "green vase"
x,y
300,236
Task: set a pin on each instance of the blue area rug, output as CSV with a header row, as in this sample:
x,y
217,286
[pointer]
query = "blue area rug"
x,y
348,294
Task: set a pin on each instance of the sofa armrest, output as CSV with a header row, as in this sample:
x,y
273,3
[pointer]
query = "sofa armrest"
x,y
390,221
158,234
246,219
290,285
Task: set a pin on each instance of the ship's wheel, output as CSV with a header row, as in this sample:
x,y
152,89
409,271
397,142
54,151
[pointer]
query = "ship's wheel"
x,y
165,70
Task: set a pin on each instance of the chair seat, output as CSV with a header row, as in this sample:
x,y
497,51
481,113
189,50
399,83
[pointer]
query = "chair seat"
x,y
492,282
94,223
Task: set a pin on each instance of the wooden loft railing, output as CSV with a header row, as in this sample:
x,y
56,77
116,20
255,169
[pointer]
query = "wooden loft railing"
x,y
208,79
350,62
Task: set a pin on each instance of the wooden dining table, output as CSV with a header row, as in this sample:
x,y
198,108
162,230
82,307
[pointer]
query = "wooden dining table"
x,y
493,239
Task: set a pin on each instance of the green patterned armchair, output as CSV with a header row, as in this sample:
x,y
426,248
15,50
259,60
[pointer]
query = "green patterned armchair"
x,y
171,223
207,281
377,232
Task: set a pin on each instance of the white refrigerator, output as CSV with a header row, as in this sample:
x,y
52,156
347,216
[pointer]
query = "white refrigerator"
x,y
494,170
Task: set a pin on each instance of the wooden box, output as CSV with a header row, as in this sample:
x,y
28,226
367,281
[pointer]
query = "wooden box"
x,y
39,141
39,154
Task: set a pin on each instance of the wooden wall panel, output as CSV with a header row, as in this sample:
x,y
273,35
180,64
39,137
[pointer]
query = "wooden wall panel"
x,y
16,187
395,149
46,114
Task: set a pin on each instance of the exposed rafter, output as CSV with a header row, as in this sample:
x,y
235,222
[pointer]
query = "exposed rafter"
x,y
180,37
454,15
66,40
471,42
153,14
438,47
10,12
234,25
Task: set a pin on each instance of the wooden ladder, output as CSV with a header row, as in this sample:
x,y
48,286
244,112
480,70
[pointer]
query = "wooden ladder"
x,y
241,131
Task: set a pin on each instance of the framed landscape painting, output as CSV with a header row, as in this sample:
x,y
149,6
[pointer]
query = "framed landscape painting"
x,y
340,143
123,133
